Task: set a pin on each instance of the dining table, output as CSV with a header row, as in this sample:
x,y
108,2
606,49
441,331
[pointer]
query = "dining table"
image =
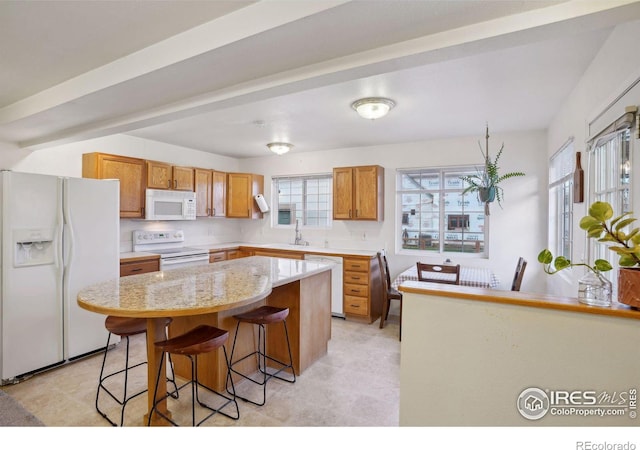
x,y
469,276
211,294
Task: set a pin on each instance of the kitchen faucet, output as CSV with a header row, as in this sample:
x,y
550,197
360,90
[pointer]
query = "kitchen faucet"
x,y
299,240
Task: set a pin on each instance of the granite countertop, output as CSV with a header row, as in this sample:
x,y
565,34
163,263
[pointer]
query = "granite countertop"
x,y
196,290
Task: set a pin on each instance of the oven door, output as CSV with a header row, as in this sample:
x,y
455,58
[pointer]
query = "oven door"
x,y
180,262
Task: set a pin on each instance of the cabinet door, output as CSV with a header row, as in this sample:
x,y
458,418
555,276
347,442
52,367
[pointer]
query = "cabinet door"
x,y
203,185
130,172
342,193
219,194
183,178
159,175
238,194
365,181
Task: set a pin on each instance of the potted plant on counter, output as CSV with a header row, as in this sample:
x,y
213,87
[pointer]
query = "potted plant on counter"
x,y
602,226
486,182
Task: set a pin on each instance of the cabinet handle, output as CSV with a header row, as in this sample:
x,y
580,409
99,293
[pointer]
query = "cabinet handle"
x,y
168,184
175,184
356,213
214,212
355,278
349,214
136,270
355,306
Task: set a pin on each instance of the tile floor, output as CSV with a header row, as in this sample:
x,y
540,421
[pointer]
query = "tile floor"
x,y
357,384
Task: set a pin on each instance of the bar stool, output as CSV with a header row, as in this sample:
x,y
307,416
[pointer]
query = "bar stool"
x,y
124,327
262,316
202,339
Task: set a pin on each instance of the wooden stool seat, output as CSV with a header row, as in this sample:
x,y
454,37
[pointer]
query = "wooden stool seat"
x,y
202,339
126,326
264,315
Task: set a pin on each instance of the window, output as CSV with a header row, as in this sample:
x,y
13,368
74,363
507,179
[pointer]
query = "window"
x,y
611,159
561,167
305,198
433,214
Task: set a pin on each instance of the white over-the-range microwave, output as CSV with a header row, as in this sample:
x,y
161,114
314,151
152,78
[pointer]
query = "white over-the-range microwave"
x,y
170,205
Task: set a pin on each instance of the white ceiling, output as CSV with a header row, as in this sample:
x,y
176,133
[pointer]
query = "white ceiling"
x,y
228,76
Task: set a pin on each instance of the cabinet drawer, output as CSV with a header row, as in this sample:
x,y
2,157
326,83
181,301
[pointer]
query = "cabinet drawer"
x,y
356,305
356,277
217,256
356,265
359,290
233,254
135,268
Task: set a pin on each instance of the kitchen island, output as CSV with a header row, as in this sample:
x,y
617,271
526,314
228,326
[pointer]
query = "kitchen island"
x,y
212,294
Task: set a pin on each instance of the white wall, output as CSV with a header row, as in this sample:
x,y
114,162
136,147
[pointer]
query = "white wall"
x,y
517,230
613,69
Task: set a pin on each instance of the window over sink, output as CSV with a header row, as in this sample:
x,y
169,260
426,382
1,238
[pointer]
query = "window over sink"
x,y
307,199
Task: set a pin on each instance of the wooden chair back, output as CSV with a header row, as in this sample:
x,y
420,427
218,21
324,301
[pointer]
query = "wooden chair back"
x,y
519,274
434,273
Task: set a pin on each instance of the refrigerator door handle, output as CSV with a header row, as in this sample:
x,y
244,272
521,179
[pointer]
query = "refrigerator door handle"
x,y
68,231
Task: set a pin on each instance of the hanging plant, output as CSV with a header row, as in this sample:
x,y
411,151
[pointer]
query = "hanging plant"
x,y
486,181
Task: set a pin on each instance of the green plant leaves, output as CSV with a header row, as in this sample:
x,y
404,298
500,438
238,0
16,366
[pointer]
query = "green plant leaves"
x,y
602,265
545,257
601,211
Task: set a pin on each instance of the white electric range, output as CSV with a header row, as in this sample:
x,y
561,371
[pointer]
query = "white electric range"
x,y
170,246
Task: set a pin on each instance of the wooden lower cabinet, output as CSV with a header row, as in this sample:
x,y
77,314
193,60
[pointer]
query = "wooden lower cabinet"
x,y
362,289
278,254
138,266
217,256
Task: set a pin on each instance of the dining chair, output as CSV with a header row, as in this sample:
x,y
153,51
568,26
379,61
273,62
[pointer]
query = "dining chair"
x,y
437,273
519,274
388,292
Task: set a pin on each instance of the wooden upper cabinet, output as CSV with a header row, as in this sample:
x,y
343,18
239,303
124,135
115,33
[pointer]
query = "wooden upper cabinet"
x,y
219,194
358,193
241,188
211,192
130,172
203,188
161,175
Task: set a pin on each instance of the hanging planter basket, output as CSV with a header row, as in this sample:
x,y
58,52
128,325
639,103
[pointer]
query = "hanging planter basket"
x,y
487,195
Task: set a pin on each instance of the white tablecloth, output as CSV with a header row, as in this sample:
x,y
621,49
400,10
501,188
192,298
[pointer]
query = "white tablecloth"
x,y
469,276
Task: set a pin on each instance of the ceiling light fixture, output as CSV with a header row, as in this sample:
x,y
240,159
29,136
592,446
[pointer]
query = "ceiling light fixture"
x,y
279,148
373,107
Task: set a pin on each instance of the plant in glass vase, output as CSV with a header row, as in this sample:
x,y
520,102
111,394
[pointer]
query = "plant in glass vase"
x,y
486,181
602,226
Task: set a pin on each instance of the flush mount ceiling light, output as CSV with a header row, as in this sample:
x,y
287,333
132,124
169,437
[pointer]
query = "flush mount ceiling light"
x,y
279,148
373,107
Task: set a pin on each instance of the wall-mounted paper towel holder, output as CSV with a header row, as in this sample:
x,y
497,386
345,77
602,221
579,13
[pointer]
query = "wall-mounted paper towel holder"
x,y
262,203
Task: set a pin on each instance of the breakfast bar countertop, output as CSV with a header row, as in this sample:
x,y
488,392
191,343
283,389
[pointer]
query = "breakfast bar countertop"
x,y
195,290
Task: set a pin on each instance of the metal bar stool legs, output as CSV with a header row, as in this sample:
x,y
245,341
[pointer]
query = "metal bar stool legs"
x,y
262,316
123,327
201,339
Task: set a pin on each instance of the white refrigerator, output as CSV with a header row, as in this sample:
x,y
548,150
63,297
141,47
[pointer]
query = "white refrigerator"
x,y
58,235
